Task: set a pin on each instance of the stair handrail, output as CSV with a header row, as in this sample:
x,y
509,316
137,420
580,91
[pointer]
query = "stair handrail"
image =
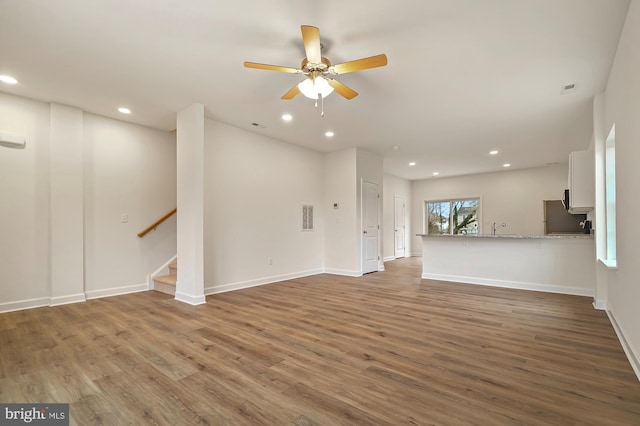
x,y
157,222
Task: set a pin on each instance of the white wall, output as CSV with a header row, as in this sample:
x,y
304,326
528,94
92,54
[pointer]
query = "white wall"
x,y
513,197
24,204
254,191
622,103
129,169
344,172
48,187
66,220
395,186
340,186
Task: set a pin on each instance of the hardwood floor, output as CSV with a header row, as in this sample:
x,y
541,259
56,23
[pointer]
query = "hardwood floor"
x,y
384,349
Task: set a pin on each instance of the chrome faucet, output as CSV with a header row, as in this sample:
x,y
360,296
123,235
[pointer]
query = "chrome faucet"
x,y
494,228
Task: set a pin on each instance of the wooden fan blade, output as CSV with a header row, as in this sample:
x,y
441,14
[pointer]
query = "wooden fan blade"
x,y
291,93
311,39
270,67
343,90
361,64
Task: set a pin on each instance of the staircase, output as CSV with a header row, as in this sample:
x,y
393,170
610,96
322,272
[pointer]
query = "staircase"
x,y
167,283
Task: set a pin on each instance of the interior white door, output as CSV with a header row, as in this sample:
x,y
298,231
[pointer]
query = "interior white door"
x,y
370,226
399,226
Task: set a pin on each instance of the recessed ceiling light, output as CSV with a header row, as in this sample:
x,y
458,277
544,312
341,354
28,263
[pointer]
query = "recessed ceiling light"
x,y
494,152
329,134
436,173
287,117
8,79
413,163
124,110
506,165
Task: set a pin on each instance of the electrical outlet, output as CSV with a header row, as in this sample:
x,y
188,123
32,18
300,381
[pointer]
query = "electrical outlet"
x,y
124,218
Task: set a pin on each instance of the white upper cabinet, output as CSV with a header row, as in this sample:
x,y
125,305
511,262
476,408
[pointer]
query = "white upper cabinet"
x,y
581,182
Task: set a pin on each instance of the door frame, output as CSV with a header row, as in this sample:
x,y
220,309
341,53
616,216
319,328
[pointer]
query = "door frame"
x,y
362,229
395,222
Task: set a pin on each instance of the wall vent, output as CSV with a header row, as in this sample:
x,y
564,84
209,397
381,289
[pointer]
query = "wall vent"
x,y
307,217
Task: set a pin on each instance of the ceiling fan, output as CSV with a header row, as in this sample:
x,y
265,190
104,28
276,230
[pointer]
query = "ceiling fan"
x,y
319,70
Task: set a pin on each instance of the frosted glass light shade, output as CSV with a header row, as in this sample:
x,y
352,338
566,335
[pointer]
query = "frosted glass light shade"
x,y
311,88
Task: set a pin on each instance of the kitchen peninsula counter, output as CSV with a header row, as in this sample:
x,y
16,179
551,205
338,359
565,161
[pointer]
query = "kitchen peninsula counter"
x,y
547,236
560,263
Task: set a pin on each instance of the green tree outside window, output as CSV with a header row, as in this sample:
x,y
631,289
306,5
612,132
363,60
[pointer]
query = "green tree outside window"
x,y
452,216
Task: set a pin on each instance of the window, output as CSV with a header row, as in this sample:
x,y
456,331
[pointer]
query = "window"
x,y
452,216
610,194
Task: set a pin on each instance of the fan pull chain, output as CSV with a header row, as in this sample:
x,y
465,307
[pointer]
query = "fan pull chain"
x,y
321,104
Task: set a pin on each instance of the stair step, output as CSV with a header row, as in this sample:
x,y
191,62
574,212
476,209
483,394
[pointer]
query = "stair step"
x,y
165,284
167,279
173,268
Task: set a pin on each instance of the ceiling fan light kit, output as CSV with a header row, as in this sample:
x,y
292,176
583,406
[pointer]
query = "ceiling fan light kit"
x,y
319,72
317,88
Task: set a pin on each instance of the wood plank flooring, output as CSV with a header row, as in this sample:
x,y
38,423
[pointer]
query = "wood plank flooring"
x,y
384,349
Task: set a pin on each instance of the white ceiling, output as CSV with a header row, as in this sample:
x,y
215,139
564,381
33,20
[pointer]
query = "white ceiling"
x,y
464,76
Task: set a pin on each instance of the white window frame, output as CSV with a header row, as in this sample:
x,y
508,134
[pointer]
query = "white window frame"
x,y
610,197
425,215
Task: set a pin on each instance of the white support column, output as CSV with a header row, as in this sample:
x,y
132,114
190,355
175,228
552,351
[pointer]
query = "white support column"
x,y
67,205
190,171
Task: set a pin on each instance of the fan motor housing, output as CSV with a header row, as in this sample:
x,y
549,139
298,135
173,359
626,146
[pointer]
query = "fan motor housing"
x,y
308,67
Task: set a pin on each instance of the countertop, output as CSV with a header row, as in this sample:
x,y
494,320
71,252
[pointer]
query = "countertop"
x,y
512,236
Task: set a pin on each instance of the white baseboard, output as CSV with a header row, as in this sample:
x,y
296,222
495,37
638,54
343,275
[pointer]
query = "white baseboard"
x,y
632,355
72,298
191,300
260,281
600,304
24,304
390,258
64,300
116,291
549,288
343,272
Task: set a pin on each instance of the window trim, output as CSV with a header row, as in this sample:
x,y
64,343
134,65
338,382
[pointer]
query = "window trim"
x,y
610,198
